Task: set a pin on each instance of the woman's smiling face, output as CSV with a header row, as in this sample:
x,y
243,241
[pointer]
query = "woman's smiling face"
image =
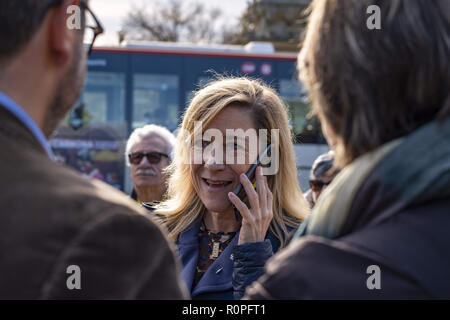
x,y
214,178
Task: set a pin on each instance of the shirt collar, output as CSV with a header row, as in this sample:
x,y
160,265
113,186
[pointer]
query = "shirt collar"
x,y
29,123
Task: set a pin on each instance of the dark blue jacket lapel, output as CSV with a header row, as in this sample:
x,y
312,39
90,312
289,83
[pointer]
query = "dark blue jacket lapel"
x,y
188,250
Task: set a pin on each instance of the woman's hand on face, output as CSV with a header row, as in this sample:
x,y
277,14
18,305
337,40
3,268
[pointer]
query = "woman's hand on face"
x,y
256,220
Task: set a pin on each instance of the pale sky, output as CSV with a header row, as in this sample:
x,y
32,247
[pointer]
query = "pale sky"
x,y
112,13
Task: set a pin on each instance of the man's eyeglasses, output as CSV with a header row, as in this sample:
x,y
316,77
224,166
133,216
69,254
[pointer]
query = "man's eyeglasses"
x,y
152,157
93,27
317,185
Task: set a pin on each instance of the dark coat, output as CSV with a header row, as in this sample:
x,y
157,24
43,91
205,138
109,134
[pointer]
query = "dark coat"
x,y
52,218
319,268
398,220
235,268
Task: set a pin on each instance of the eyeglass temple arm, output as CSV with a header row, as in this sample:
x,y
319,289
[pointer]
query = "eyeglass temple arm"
x,y
99,28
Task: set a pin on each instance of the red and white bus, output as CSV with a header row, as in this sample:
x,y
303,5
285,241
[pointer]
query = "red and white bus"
x,y
136,84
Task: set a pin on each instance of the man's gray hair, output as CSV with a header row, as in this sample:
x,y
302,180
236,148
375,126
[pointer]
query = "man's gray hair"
x,y
147,131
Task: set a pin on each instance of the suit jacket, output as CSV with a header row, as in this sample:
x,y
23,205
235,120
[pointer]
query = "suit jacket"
x,y
51,219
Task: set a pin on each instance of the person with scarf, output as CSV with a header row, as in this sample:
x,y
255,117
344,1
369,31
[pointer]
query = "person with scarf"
x,y
380,229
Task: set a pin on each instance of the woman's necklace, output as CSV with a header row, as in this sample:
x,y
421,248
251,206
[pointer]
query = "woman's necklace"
x,y
215,251
216,244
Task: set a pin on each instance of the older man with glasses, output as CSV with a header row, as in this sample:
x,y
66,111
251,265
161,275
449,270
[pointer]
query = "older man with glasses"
x,y
63,236
148,153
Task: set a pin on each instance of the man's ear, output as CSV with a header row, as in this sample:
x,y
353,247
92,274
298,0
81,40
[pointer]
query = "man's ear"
x,y
62,39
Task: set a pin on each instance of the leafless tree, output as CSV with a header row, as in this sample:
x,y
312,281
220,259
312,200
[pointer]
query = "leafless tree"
x,y
173,20
273,21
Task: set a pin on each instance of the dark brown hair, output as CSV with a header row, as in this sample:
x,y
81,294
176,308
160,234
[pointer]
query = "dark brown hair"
x,y
372,86
19,20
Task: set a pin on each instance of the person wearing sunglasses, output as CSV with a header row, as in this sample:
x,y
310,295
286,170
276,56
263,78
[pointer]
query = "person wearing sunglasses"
x,y
321,175
63,236
148,153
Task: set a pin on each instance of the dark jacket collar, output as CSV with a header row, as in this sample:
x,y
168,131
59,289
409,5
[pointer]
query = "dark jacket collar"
x,y
414,173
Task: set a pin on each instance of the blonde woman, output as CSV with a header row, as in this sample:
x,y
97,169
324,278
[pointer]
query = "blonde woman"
x,y
222,253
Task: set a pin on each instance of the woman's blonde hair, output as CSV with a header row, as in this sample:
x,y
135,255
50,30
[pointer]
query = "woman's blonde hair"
x,y
183,205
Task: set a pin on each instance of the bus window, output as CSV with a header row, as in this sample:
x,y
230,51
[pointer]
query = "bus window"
x,y
95,145
104,96
309,139
155,100
306,129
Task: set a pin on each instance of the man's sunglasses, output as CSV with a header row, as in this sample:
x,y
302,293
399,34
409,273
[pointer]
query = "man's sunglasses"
x,y
152,157
317,185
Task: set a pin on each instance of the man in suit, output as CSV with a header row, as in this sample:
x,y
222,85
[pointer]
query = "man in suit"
x,y
63,236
